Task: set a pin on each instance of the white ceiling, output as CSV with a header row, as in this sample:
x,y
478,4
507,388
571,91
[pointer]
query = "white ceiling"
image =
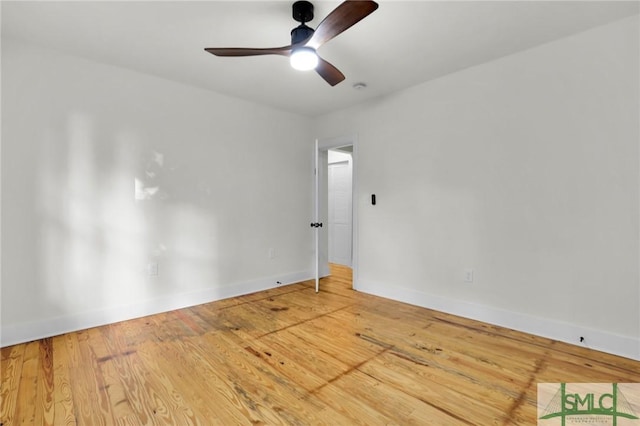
x,y
401,44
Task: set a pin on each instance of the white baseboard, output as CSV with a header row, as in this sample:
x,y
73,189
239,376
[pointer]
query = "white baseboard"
x,y
25,332
607,342
625,346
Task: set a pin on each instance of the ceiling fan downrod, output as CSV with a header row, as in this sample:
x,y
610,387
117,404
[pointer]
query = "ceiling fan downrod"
x,y
302,12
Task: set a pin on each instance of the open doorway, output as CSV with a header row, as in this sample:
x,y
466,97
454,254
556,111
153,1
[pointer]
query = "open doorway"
x,y
336,190
340,205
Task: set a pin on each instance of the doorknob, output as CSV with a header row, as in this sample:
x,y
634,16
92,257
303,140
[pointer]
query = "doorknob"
x,y
316,225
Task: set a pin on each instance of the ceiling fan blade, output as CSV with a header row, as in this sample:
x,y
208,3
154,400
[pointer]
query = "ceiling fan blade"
x,y
247,51
340,19
331,74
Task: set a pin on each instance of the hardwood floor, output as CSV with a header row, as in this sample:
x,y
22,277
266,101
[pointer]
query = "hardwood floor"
x,y
291,356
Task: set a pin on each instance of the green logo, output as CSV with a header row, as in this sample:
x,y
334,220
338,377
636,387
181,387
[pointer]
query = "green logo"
x,y
601,403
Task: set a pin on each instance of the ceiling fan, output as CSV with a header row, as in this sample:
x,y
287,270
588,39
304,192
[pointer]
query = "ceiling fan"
x,y
305,40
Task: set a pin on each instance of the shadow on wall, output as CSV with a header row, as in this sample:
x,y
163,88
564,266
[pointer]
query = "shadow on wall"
x,y
115,226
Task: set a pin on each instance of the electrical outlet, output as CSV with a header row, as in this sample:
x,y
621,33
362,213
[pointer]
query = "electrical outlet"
x,y
152,269
468,275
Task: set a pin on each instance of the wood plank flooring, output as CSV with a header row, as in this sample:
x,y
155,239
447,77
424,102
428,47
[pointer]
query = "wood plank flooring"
x,y
291,356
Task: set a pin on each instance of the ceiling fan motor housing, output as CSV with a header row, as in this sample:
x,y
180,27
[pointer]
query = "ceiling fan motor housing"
x,y
300,33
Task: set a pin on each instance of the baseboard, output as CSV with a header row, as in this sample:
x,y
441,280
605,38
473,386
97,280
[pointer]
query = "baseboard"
x,y
25,332
625,346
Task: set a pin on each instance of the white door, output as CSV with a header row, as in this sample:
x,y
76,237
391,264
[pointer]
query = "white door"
x,y
339,218
316,212
320,215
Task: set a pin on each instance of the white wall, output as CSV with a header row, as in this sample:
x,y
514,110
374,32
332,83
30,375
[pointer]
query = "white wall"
x,y
334,156
220,182
526,170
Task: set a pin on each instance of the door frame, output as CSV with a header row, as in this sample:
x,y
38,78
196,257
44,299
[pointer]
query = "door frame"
x,y
325,144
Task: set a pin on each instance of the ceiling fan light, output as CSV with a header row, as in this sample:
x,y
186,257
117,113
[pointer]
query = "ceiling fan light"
x,y
304,59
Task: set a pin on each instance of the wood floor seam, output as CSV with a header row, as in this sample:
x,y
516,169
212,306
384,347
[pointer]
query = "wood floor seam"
x,y
302,322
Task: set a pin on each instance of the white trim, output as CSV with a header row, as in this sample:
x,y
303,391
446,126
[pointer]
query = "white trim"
x,y
638,236
25,332
316,212
354,209
557,330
